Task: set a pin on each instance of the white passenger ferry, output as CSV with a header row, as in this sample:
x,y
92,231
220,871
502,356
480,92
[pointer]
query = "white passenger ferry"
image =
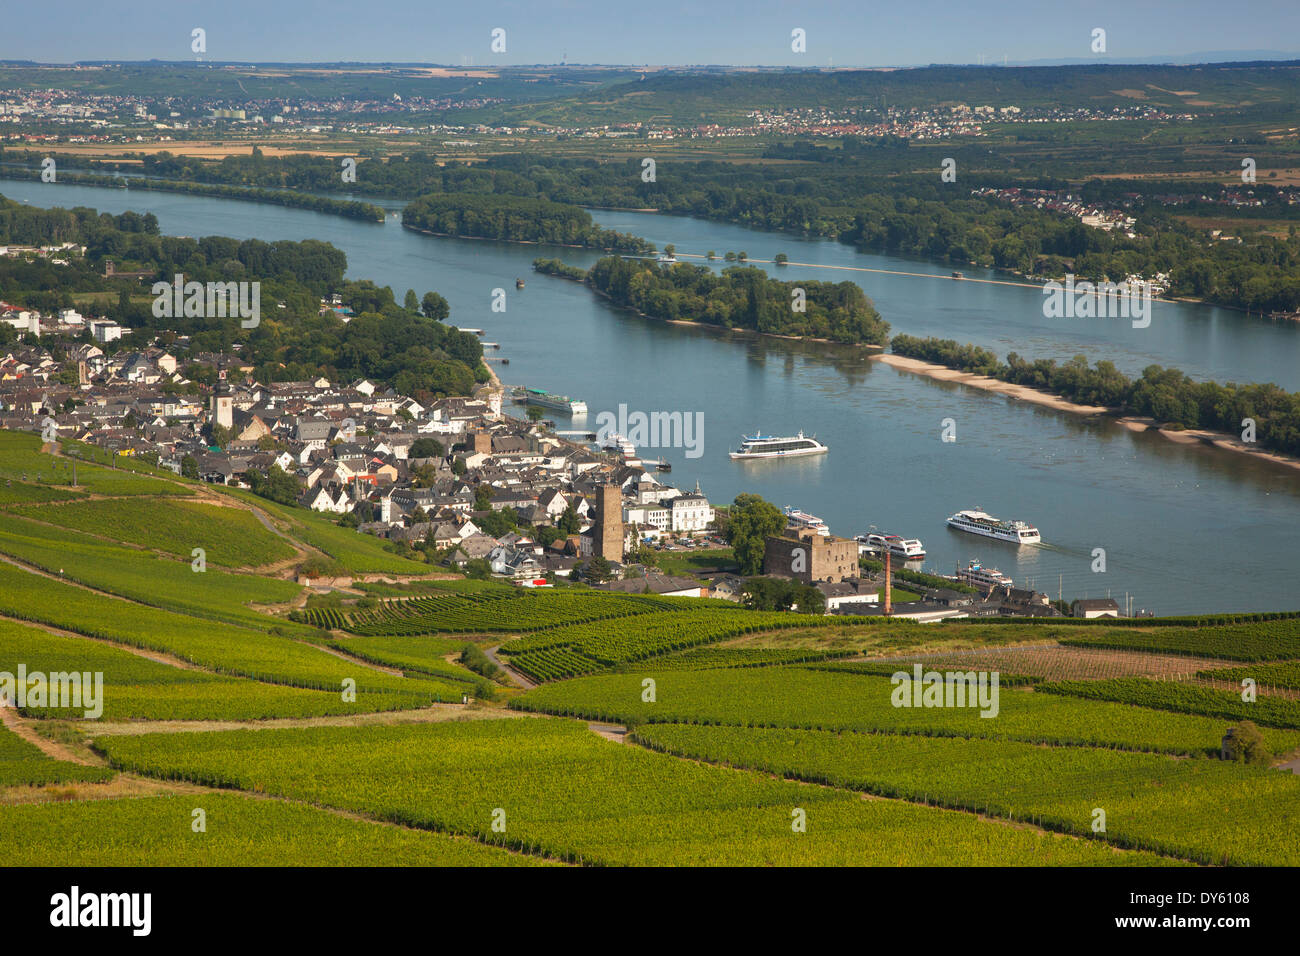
x,y
767,446
909,549
803,521
982,523
981,577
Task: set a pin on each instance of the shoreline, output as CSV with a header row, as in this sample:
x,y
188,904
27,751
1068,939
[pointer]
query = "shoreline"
x,y
1196,437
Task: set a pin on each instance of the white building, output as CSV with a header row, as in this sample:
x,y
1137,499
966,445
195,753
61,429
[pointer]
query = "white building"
x,y
690,512
105,330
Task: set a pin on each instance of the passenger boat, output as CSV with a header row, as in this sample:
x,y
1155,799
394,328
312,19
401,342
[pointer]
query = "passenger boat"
x,y
909,549
768,446
803,521
977,575
982,523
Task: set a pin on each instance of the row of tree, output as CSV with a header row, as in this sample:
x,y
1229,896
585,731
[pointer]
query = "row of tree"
x,y
1165,394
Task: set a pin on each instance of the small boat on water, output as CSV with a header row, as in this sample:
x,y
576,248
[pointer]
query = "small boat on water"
x,y
519,283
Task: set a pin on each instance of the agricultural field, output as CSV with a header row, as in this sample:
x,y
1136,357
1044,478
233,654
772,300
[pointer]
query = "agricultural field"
x,y
1261,641
223,648
240,831
708,658
1185,698
21,460
421,655
1269,677
1203,811
554,789
648,635
137,688
19,492
171,584
1055,662
23,764
504,610
231,537
813,699
358,553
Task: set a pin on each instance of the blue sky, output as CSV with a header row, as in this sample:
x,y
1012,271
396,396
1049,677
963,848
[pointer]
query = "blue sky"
x,y
865,33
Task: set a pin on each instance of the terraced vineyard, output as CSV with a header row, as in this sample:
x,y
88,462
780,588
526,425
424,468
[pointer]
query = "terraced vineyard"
x,y
23,764
155,831
1205,811
506,609
223,648
558,790
157,581
813,699
231,537
1263,641
709,658
644,636
136,688
1185,698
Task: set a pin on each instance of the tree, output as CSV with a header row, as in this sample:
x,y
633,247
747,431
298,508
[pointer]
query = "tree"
x,y
426,448
435,307
711,254
569,522
483,498
1245,744
478,568
190,466
598,570
751,520
535,413
458,467
670,250
411,303
781,259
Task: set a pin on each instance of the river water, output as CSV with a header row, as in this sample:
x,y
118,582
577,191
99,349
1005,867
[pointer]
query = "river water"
x,y
1184,529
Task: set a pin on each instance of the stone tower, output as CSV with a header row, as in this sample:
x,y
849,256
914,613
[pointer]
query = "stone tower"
x,y
609,523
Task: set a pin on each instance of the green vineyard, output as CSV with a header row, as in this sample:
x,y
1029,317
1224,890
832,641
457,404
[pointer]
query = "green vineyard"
x,y
641,637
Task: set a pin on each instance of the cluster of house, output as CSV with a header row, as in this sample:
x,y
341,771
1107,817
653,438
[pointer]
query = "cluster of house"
x,y
357,448
62,322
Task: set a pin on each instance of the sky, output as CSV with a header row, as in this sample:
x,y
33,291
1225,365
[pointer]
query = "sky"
x,y
645,32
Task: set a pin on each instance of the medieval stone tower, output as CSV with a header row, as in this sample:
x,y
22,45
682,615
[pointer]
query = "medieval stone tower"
x,y
609,523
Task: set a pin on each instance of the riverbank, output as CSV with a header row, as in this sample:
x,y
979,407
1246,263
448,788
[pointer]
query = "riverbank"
x,y
1200,437
1019,392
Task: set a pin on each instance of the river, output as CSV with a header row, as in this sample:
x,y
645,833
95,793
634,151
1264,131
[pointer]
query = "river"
x,y
1184,530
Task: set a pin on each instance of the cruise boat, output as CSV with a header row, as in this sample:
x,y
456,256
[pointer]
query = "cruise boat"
x,y
802,521
768,446
982,523
977,575
909,549
536,396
